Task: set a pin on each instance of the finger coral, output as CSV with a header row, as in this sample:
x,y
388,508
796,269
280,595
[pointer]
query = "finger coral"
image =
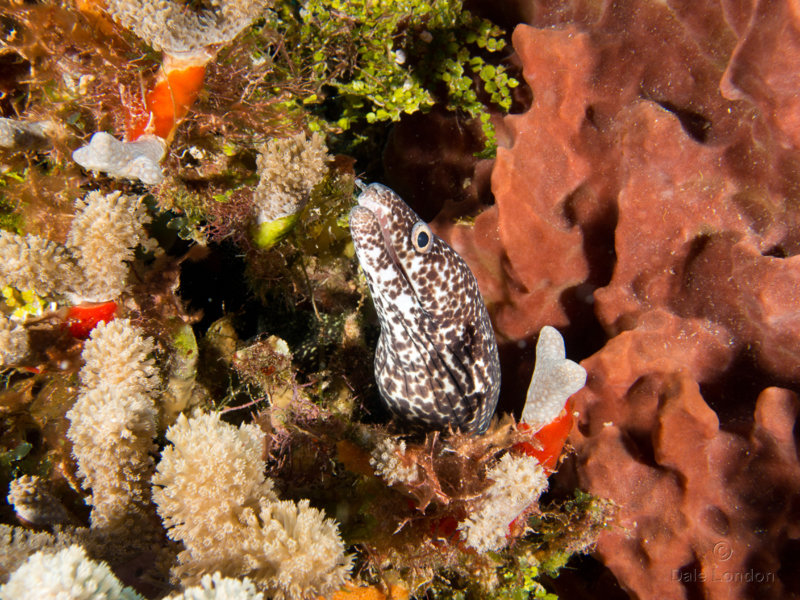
x,y
116,354
113,425
104,234
33,263
66,574
212,495
289,169
13,341
519,480
92,267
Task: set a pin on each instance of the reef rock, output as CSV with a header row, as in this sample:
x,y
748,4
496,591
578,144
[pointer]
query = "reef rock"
x,y
647,205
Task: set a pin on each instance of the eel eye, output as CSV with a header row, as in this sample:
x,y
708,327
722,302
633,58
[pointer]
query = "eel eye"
x,y
421,237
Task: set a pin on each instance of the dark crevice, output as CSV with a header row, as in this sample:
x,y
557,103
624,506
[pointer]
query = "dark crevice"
x,y
694,124
15,70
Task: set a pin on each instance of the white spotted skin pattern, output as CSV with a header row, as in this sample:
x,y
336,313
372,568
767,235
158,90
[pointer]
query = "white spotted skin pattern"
x,y
436,362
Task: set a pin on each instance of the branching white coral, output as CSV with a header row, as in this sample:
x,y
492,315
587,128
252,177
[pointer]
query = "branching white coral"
x,y
69,575
104,234
210,471
125,160
555,379
388,460
33,502
217,587
113,425
18,543
13,342
181,27
112,436
33,263
289,169
211,493
518,483
305,550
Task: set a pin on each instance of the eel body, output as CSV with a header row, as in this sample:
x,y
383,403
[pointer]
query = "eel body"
x,y
436,362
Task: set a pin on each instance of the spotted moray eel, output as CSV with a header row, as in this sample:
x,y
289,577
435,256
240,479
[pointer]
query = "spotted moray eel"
x,y
436,362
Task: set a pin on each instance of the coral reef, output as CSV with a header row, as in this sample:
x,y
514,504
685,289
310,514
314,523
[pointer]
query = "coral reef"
x,y
238,361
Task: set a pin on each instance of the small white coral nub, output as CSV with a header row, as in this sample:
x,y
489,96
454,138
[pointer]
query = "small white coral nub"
x,y
388,460
13,342
126,160
68,575
15,135
519,480
555,379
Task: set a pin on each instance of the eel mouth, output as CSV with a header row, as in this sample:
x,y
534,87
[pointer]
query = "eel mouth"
x,y
381,214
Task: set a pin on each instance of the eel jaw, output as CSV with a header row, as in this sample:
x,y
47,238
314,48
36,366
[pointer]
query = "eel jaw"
x,y
382,215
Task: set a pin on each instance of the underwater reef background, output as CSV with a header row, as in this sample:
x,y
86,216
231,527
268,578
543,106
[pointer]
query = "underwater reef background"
x,y
626,171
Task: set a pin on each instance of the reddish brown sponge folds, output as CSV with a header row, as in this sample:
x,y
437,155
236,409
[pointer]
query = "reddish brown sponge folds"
x,y
653,187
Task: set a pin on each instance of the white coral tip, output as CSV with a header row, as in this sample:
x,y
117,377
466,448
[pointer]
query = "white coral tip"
x,y
555,379
129,160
